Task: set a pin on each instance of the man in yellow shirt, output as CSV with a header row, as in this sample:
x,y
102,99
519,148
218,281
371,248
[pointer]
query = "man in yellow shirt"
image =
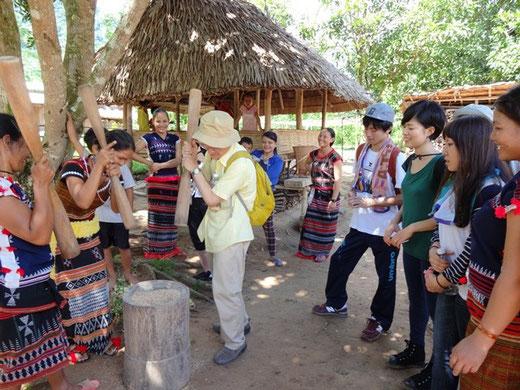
x,y
225,229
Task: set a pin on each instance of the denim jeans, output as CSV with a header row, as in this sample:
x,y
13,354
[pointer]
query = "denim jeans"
x,y
345,259
422,302
451,320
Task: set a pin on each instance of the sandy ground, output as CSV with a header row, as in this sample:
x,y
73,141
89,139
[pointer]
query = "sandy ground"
x,y
288,347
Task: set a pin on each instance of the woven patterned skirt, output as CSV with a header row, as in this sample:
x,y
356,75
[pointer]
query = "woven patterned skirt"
x,y
500,370
162,232
83,282
31,346
319,229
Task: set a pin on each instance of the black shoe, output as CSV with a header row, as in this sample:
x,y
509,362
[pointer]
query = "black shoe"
x,y
204,276
412,356
422,380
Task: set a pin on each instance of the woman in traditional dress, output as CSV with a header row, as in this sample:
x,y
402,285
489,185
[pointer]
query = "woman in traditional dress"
x,y
84,185
272,164
321,219
33,343
163,185
489,357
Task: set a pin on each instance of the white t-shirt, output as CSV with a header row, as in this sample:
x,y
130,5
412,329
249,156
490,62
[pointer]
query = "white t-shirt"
x,y
366,220
104,212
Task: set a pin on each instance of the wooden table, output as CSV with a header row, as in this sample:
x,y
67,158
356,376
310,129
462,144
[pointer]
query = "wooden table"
x,y
301,183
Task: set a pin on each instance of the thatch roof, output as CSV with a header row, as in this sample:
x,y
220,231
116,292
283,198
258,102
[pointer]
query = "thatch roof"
x,y
461,96
220,46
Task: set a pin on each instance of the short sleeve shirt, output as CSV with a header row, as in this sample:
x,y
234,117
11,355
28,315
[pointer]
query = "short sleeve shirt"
x,y
322,169
249,122
105,213
162,150
228,223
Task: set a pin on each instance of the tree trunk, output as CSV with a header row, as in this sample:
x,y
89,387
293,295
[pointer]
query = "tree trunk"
x,y
115,48
9,41
53,76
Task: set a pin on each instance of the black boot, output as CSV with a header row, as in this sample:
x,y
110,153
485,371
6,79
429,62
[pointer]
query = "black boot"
x,y
422,380
412,356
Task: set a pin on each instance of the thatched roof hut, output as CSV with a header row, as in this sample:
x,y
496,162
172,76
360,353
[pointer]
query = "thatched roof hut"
x,y
456,97
224,48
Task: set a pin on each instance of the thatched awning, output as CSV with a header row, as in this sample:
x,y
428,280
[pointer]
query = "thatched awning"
x,y
461,96
221,46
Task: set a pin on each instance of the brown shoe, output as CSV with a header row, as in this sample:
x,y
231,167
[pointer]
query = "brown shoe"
x,y
372,331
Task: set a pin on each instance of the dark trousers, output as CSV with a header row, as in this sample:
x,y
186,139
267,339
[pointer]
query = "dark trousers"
x,y
196,214
451,320
422,302
345,259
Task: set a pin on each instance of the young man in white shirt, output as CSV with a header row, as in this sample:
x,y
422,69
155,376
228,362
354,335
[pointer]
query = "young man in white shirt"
x,y
375,199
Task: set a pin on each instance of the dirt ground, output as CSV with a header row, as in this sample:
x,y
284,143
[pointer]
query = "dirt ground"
x,y
288,347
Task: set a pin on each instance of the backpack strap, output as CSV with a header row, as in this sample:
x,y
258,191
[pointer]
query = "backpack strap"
x,y
391,164
234,157
358,151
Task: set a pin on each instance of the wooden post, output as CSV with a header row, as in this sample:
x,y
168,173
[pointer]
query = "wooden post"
x,y
156,321
257,101
280,97
324,110
125,116
299,108
128,124
267,108
178,113
236,103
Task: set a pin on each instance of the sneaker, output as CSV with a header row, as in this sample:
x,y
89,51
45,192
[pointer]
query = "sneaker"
x,y
372,331
226,355
412,356
324,310
204,276
216,328
277,262
422,380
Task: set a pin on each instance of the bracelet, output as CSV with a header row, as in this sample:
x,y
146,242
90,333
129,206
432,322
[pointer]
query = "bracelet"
x,y
486,332
440,285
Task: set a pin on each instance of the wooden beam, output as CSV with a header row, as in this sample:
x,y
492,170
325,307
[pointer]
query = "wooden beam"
x,y
129,123
299,109
324,110
280,97
125,115
267,109
178,113
257,100
236,103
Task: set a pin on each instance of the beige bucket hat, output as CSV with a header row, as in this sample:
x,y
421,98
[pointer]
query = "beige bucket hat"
x,y
216,130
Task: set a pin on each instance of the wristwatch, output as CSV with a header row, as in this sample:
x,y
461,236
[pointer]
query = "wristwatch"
x,y
195,171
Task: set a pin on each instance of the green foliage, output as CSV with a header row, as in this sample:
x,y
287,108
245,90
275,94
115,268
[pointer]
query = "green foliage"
x,y
166,266
139,168
504,58
117,299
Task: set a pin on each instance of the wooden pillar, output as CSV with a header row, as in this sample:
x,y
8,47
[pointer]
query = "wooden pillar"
x,y
267,108
125,115
178,113
299,108
257,101
324,110
280,97
128,121
236,103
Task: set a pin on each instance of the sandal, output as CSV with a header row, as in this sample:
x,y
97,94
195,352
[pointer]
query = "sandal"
x,y
320,259
87,384
79,354
277,262
112,347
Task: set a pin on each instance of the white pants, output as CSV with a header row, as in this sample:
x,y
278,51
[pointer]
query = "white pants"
x,y
228,275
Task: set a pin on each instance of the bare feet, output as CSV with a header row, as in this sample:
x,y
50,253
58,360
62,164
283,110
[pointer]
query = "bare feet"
x,y
112,281
130,278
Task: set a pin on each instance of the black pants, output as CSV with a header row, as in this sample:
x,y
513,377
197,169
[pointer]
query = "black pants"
x,y
345,259
197,211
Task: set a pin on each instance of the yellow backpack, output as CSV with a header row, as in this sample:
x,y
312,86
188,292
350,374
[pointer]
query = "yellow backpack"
x,y
264,201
